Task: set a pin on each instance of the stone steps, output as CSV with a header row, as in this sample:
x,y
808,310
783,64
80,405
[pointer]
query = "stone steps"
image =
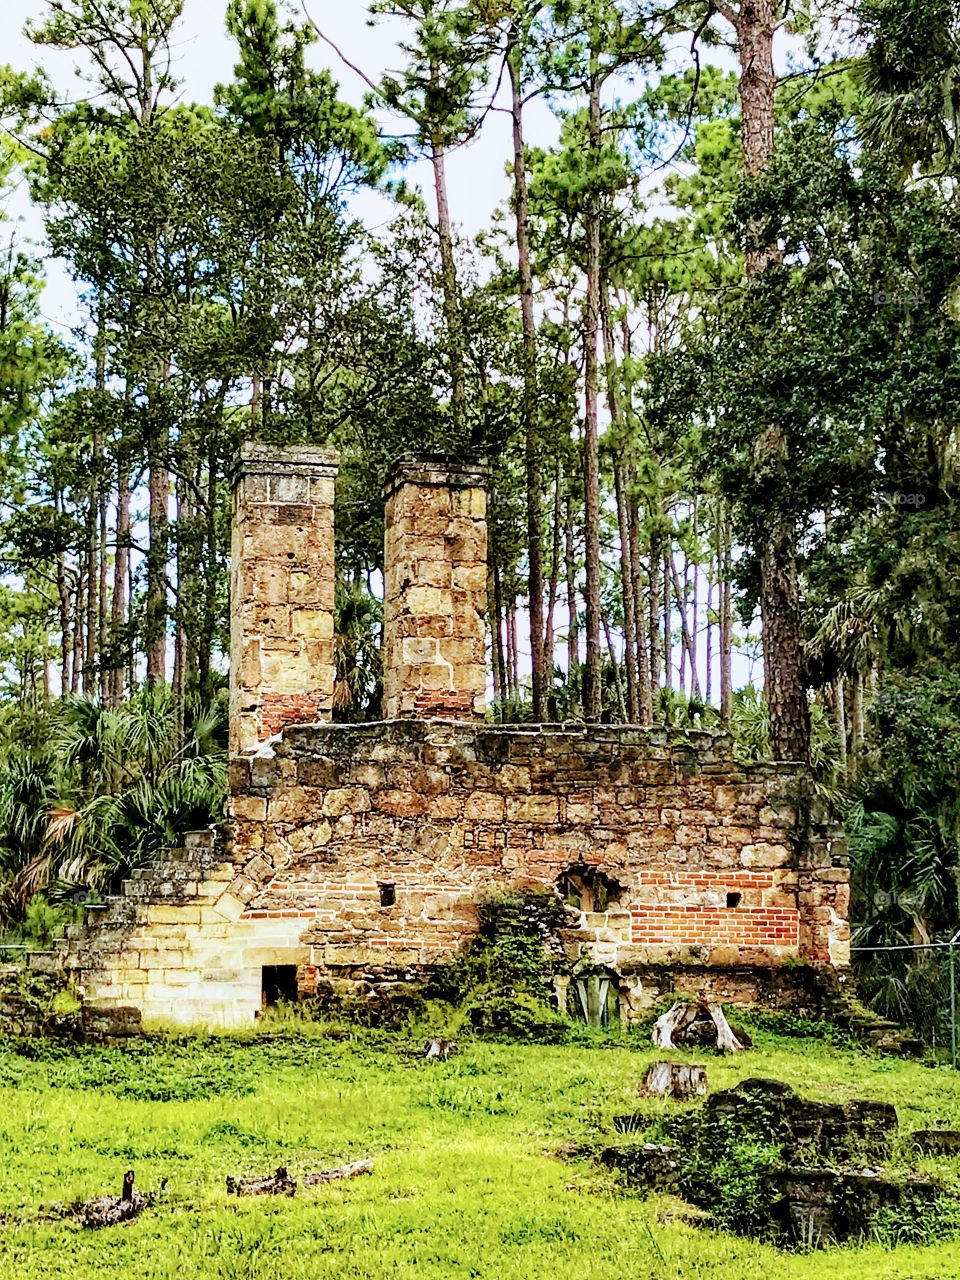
x,y
173,881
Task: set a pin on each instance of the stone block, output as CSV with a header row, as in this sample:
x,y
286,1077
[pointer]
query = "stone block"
x,y
313,623
248,808
229,907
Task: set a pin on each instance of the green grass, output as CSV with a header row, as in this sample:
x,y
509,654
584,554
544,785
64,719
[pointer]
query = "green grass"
x,y
465,1182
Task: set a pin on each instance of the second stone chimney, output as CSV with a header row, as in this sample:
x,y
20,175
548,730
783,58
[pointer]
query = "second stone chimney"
x,y
435,590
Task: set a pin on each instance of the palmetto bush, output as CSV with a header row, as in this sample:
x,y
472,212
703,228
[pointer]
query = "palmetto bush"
x,y
100,790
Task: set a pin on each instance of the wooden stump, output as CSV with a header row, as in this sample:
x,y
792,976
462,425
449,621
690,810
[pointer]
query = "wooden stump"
x,y
110,1211
437,1049
674,1080
677,1027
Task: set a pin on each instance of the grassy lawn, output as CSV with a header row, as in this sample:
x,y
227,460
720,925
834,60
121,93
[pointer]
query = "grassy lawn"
x,y
464,1184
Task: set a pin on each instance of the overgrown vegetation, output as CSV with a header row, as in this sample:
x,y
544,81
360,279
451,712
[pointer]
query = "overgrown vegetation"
x,y
501,982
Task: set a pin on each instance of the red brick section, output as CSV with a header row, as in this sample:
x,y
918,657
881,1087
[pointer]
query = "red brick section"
x,y
706,879
277,710
445,706
740,926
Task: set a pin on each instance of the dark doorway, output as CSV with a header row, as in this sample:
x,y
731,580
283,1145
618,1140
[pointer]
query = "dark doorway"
x,y
279,983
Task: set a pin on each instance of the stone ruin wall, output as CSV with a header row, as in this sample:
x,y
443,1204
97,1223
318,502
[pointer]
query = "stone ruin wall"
x,y
358,853
710,865
438,814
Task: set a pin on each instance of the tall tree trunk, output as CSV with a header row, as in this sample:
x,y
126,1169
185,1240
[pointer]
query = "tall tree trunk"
x,y
709,636
726,617
63,598
93,620
632,712
695,624
156,624
629,599
591,433
121,571
514,650
641,632
103,607
76,673
531,435
681,586
840,721
654,634
615,668
499,656
755,22
668,571
857,725
553,587
450,292
573,631
686,638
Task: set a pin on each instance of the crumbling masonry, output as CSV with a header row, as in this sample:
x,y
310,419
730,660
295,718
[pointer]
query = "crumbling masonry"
x,y
358,853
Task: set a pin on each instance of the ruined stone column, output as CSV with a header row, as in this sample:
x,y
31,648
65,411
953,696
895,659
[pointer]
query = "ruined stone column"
x,y
435,591
282,591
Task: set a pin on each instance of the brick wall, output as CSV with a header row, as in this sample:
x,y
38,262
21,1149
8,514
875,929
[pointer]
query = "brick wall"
x,y
360,853
382,839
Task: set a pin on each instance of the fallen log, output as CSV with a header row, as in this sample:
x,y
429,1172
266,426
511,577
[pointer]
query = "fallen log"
x,y
277,1184
696,1023
354,1170
674,1080
110,1211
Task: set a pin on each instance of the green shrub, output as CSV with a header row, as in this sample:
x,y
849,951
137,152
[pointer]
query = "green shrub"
x,y
918,1223
502,980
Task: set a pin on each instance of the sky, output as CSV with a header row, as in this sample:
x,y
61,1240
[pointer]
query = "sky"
x,y
204,56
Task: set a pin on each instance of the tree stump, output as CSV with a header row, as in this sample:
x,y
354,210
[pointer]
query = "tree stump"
x,y
695,1023
437,1049
110,1211
674,1080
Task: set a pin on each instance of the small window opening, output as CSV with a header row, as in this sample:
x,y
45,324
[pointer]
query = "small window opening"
x,y
388,895
279,983
588,889
733,899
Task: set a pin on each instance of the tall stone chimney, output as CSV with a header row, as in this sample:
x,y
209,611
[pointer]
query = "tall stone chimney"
x,y
282,591
435,590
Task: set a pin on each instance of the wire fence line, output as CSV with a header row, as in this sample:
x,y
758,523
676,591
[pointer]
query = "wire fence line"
x,y
918,986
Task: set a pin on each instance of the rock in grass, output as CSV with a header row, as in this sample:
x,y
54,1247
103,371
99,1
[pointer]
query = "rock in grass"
x,y
438,1049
